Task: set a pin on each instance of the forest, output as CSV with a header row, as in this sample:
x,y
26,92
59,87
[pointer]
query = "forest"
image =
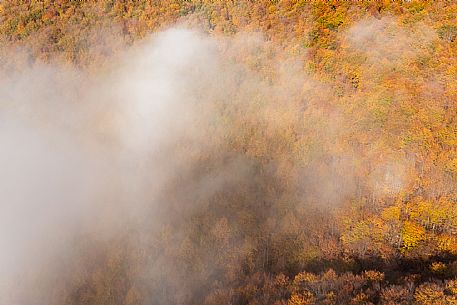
x,y
181,152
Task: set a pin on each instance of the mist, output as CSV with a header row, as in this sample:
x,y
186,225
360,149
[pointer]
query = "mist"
x,y
87,154
179,124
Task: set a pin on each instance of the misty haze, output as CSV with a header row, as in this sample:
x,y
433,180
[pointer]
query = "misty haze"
x,y
228,152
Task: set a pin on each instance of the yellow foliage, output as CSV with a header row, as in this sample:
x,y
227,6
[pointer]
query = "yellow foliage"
x,y
438,267
430,294
412,235
447,243
391,213
374,276
451,286
452,165
301,299
304,277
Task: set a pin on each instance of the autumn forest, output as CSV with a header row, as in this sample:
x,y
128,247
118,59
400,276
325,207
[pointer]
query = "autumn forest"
x,y
181,152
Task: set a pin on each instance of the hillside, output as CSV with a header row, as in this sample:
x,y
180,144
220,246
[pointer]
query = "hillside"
x,y
228,152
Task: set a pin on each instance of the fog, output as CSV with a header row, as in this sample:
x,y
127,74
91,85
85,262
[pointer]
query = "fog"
x,y
144,143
